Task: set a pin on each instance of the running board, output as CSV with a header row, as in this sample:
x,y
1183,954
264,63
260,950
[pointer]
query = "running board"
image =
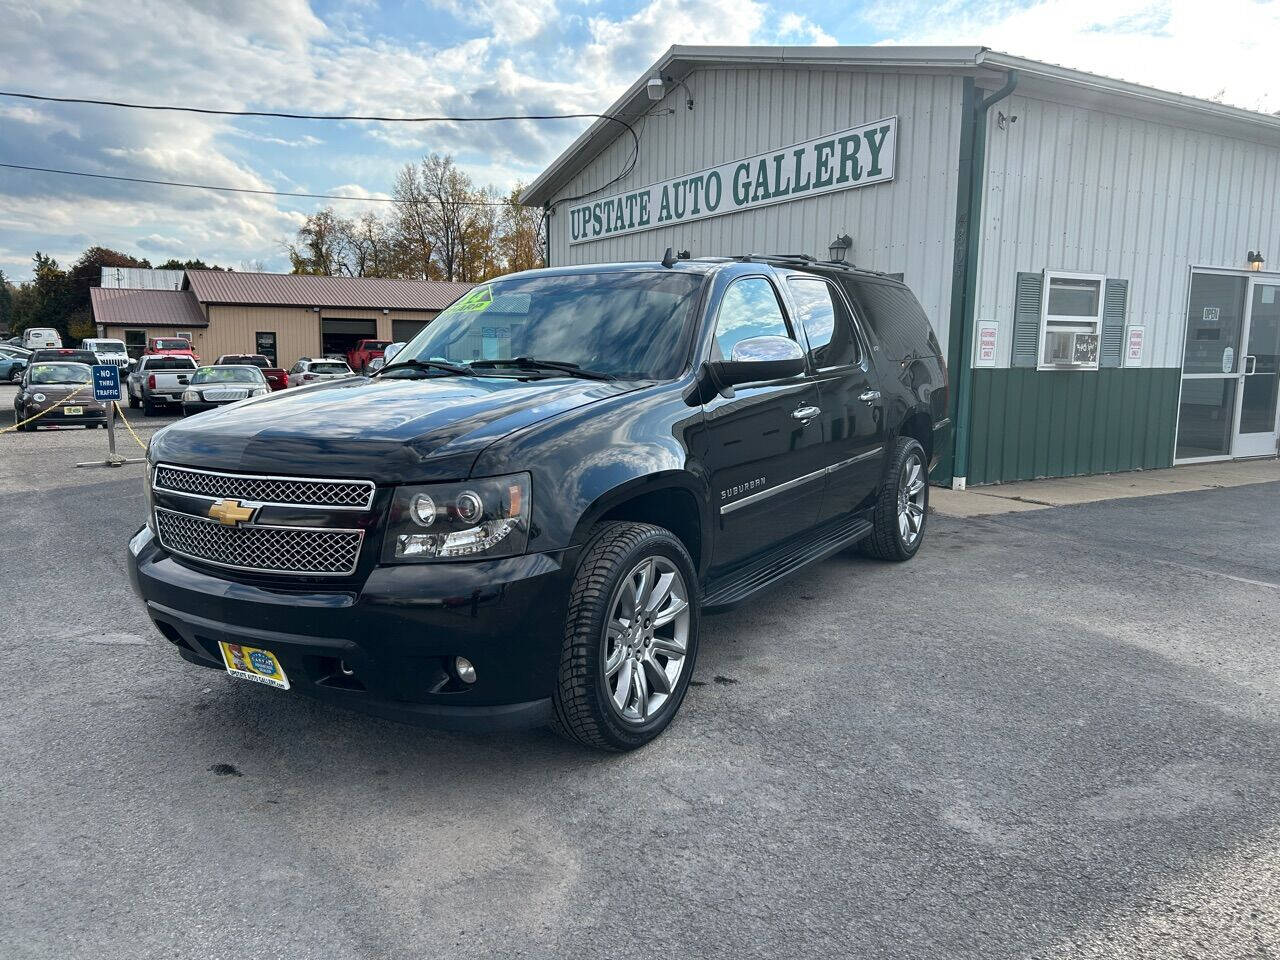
x,y
730,590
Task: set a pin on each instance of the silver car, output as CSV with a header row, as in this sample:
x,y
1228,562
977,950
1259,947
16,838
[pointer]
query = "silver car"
x,y
307,370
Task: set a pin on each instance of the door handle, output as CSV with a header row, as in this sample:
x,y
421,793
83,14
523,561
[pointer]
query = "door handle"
x,y
869,395
1249,371
805,414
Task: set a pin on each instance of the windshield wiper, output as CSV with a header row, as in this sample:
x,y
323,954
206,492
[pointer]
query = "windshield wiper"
x,y
531,363
416,364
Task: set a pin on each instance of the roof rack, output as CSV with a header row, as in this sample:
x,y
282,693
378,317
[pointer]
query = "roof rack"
x,y
807,260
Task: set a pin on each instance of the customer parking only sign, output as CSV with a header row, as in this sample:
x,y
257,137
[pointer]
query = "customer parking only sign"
x,y
855,157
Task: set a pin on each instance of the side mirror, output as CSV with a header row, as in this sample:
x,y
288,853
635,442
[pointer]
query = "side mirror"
x,y
391,350
759,358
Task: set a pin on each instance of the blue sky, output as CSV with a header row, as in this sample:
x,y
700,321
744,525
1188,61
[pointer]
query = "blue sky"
x,y
461,57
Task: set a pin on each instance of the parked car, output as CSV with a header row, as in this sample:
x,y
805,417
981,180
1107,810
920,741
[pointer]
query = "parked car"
x,y
63,389
158,380
63,355
218,386
35,337
359,356
172,347
108,351
307,370
12,362
277,379
524,521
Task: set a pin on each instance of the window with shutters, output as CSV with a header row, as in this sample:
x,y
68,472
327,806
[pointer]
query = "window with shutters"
x,y
1071,321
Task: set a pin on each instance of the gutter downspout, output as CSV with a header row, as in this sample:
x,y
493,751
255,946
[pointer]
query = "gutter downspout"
x,y
967,295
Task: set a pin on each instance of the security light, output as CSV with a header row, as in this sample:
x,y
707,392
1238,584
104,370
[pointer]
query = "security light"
x,y
655,88
839,247
1255,260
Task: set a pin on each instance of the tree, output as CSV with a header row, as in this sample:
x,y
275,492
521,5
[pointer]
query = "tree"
x,y
321,244
6,302
413,231
371,247
519,237
174,264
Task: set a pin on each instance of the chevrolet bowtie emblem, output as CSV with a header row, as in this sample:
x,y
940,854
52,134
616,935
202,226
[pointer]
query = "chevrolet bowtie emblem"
x,y
230,512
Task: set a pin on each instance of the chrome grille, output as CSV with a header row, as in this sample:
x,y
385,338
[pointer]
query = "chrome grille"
x,y
226,393
260,549
288,491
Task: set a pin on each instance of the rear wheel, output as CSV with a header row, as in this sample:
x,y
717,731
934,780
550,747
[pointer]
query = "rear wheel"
x,y
631,637
15,374
903,505
149,409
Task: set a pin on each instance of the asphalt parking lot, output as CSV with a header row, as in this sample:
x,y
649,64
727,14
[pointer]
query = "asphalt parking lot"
x,y
1053,734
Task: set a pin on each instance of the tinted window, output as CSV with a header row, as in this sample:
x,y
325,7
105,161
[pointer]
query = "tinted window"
x,y
749,309
826,322
176,343
329,368
169,363
895,315
628,324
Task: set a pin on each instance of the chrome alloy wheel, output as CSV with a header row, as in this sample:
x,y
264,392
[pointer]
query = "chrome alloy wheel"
x,y
646,638
911,500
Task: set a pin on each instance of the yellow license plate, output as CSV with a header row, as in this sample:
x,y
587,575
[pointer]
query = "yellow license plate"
x,y
253,663
73,411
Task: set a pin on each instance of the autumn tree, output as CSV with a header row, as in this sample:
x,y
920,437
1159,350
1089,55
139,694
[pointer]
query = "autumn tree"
x,y
321,244
519,239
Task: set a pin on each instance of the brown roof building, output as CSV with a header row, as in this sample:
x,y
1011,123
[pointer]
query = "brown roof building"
x,y
285,316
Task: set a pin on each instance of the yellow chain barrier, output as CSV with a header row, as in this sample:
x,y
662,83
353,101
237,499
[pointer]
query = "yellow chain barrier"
x,y
128,426
49,409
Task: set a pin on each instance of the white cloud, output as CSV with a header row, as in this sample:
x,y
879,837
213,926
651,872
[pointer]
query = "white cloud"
x,y
798,29
1222,49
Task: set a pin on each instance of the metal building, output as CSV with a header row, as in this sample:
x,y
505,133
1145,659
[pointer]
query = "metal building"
x,y
1111,308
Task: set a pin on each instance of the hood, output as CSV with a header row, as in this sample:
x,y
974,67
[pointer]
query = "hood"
x,y
394,431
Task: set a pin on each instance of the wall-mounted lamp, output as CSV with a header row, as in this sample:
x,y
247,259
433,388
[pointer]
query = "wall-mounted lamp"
x,y
655,88
1255,260
385,310
315,309
840,247
1002,120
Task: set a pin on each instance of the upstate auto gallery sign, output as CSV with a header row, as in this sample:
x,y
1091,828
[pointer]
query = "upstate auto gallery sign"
x,y
851,158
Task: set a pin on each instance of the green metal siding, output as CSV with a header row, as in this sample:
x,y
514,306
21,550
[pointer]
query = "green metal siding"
x,y
1049,423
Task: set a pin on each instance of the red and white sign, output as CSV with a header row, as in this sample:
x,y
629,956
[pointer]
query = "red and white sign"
x,y
1137,336
986,341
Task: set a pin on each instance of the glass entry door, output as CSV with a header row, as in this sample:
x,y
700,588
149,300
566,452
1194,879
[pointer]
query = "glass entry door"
x,y
1260,376
1211,366
1230,368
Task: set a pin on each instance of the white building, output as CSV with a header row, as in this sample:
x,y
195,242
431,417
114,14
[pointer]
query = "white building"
x,y
1109,310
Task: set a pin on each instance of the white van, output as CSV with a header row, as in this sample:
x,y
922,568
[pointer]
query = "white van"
x,y
38,338
108,351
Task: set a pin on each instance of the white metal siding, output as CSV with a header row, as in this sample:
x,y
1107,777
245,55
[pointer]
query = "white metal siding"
x,y
1076,189
906,226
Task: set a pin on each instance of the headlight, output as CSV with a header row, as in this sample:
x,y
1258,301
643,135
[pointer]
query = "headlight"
x,y
459,521
191,395
38,397
258,392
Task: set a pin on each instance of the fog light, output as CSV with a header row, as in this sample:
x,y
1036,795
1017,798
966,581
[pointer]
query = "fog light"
x,y
465,669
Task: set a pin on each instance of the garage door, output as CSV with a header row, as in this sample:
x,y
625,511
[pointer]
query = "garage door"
x,y
402,331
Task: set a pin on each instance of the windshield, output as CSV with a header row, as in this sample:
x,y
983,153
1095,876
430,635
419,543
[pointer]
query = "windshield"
x,y
629,325
228,375
50,373
375,344
252,359
178,343
330,368
169,363
105,346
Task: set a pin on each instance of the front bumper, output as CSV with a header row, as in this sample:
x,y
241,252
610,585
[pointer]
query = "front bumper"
x,y
397,632
92,416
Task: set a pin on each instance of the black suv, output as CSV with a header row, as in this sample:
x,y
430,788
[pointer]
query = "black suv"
x,y
522,518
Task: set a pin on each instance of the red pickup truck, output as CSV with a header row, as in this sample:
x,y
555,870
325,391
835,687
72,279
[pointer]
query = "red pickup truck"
x,y
276,377
172,347
358,357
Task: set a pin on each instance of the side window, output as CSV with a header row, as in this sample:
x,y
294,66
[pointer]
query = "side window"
x,y
749,308
826,321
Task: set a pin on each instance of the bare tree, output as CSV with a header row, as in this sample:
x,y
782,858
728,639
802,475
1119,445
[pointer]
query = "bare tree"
x,y
322,244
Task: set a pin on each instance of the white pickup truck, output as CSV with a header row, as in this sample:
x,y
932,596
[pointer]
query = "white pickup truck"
x,y
159,380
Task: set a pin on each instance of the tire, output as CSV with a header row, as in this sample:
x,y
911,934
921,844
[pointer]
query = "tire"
x,y
149,409
906,471
585,700
133,402
15,375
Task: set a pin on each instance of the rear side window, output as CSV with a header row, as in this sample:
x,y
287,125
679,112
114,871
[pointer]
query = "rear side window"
x,y
170,363
827,324
748,309
895,315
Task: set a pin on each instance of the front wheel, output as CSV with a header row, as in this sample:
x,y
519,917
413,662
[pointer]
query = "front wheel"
x,y
902,506
631,637
15,375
